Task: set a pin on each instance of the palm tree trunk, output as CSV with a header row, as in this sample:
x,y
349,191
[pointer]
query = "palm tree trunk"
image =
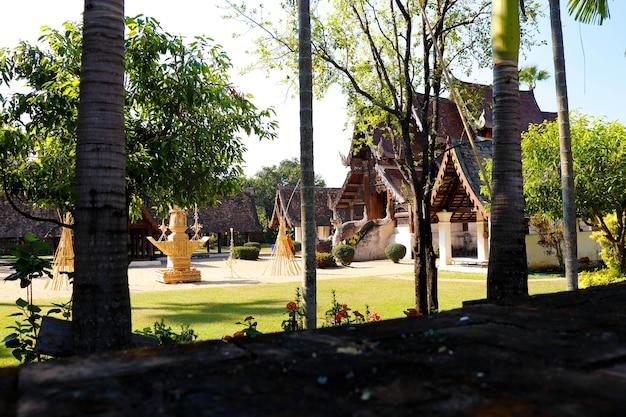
x,y
565,143
101,304
507,275
309,283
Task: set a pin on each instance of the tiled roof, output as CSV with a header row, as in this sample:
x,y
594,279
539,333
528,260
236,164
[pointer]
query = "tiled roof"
x,y
15,225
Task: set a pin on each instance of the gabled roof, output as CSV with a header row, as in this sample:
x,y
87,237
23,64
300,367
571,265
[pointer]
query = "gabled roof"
x,y
460,163
287,204
458,184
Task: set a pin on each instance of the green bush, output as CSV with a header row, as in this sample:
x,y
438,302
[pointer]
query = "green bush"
x,y
344,254
325,260
253,245
167,336
395,251
297,246
249,253
599,277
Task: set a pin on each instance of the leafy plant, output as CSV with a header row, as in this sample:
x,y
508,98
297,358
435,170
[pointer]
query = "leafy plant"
x,y
256,245
167,336
325,260
295,312
250,253
344,254
27,266
395,252
249,329
342,315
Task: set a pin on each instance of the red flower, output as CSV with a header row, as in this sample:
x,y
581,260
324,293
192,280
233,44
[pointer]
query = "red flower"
x,y
292,306
373,316
412,312
226,338
340,315
238,334
344,306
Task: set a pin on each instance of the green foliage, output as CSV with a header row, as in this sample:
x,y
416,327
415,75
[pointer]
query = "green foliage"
x,y
325,260
250,253
297,246
167,336
28,266
341,315
256,245
295,313
604,276
249,330
612,250
184,119
599,154
395,251
344,254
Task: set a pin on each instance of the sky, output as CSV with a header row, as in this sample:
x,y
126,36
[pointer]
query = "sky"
x,y
595,67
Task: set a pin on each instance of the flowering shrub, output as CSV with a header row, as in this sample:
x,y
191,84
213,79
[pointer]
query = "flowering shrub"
x,y
325,260
295,313
249,330
342,315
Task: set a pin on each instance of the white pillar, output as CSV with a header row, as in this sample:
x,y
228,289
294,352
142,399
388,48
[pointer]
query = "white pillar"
x,y
445,238
482,238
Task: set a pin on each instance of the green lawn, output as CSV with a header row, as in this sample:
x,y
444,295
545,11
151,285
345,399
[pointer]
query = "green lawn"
x,y
213,312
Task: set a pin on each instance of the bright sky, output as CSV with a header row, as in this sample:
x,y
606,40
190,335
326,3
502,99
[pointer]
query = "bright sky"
x,y
595,65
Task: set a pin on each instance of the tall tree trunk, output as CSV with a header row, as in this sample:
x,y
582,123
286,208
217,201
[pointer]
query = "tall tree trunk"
x,y
565,143
309,284
507,275
101,304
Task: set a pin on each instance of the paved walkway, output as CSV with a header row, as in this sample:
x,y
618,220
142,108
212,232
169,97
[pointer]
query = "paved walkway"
x,y
218,271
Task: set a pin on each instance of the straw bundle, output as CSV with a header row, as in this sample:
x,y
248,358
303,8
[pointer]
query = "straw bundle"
x,y
283,261
63,262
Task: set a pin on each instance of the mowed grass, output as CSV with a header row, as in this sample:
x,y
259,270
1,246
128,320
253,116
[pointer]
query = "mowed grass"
x,y
213,312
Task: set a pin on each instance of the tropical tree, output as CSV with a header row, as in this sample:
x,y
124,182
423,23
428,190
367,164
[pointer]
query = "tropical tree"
x,y
101,299
599,154
507,275
184,119
585,11
307,175
589,11
531,74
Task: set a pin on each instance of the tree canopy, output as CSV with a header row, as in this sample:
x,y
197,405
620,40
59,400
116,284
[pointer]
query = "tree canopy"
x,y
184,118
599,154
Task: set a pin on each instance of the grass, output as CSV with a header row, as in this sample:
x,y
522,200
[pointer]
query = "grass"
x,y
213,312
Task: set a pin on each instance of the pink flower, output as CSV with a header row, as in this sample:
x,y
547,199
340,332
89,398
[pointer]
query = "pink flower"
x,y
373,316
238,334
292,306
